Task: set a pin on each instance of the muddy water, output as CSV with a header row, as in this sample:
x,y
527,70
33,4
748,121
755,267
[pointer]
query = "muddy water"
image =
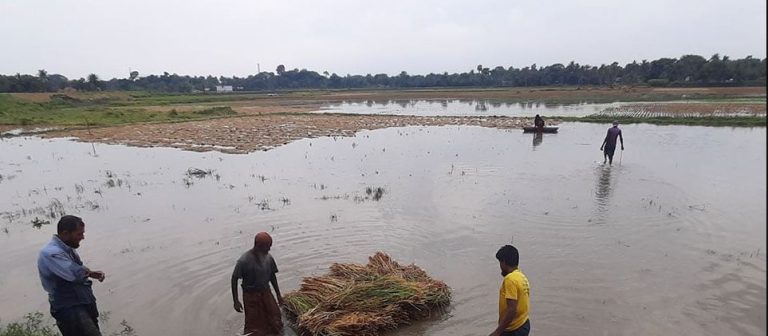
x,y
456,107
671,241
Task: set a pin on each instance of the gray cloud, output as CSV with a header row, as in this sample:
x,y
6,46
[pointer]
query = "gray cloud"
x,y
230,37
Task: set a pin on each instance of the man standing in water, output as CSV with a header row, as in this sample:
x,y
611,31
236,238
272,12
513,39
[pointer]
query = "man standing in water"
x,y
67,282
609,143
258,269
538,121
513,295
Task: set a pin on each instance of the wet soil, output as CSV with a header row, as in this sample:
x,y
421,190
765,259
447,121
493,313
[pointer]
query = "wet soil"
x,y
251,133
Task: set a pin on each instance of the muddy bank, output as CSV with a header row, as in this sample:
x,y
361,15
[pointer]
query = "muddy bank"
x,y
252,133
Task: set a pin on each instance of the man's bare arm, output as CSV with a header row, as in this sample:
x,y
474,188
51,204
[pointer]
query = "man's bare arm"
x,y
273,280
507,318
238,306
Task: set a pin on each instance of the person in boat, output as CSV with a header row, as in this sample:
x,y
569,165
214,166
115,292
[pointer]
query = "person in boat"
x,y
609,143
538,121
258,269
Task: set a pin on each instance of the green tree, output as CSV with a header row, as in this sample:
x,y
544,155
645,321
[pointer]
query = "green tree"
x,y
94,83
42,75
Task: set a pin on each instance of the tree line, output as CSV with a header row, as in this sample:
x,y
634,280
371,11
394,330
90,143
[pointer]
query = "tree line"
x,y
688,70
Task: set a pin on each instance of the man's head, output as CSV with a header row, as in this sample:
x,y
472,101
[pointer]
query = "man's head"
x,y
615,123
508,259
262,242
71,230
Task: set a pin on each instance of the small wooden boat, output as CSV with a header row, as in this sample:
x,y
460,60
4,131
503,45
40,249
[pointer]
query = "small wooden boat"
x,y
534,129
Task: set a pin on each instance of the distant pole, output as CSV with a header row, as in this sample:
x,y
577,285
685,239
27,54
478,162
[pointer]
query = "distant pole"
x,y
258,68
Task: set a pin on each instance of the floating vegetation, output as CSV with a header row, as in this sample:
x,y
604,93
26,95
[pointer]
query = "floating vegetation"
x,y
374,193
112,183
365,300
187,182
371,194
33,324
198,173
38,223
38,324
55,209
334,197
263,205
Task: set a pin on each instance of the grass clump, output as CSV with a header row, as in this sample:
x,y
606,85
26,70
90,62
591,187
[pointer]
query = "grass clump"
x,y
33,324
65,110
365,300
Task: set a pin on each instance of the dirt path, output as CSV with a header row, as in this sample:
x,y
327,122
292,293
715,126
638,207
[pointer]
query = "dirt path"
x,y
251,133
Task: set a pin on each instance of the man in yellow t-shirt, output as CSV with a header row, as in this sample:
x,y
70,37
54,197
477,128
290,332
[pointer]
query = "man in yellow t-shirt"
x,y
513,295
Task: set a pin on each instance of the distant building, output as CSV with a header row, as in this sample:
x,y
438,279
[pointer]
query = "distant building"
x,y
223,88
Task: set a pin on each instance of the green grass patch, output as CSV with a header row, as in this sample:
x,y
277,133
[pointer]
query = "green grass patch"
x,y
745,121
170,99
63,110
33,324
39,324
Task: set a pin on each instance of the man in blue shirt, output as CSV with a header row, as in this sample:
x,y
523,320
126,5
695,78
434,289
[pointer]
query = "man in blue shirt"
x,y
67,280
609,143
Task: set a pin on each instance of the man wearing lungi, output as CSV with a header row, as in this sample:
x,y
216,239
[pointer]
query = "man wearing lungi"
x,y
258,269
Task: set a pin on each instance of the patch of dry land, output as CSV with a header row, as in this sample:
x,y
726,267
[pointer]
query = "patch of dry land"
x,y
265,120
5,128
251,133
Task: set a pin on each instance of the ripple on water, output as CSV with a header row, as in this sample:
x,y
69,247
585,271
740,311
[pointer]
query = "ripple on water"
x,y
670,235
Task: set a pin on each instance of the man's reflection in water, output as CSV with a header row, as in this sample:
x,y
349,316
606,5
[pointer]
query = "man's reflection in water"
x,y
602,193
537,138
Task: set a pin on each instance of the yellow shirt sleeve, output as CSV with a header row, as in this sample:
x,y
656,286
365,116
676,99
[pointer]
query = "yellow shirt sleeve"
x,y
510,289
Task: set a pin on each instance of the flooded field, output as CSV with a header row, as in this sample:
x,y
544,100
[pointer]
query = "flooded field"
x,y
479,107
466,107
671,240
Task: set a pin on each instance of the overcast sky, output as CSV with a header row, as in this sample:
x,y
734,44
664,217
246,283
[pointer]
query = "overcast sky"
x,y
233,37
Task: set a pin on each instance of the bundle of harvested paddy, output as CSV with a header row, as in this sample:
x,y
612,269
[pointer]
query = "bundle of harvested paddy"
x,y
365,300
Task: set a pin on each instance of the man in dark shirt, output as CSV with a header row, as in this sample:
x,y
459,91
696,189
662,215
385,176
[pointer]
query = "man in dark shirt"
x,y
609,144
258,269
538,121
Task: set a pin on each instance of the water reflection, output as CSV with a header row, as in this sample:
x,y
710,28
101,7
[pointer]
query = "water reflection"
x,y
538,137
463,107
602,192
